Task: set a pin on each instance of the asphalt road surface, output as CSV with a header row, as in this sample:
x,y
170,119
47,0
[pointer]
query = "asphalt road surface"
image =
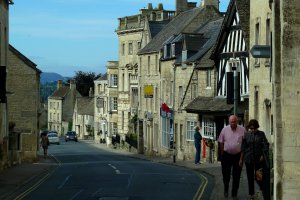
x,y
87,172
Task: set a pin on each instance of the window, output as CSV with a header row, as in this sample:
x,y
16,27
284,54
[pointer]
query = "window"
x,y
208,128
166,132
57,105
114,80
268,38
156,64
123,49
194,91
171,93
130,49
180,92
114,129
190,129
57,117
208,78
115,103
140,70
148,65
173,50
99,88
50,116
257,33
139,45
165,51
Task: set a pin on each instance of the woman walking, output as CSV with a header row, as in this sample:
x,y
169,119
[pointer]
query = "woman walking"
x,y
45,144
253,146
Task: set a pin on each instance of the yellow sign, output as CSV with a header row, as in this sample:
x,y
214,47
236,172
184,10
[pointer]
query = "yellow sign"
x,y
148,91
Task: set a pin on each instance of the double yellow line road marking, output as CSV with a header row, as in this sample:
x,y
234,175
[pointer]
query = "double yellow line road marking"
x,y
200,191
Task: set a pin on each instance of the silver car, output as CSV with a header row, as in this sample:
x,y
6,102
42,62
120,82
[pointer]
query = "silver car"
x,y
53,138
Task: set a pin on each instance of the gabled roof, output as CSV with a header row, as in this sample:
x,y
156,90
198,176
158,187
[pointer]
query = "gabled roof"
x,y
174,27
85,106
24,58
243,9
60,92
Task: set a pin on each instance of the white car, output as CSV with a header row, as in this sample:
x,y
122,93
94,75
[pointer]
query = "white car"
x,y
53,138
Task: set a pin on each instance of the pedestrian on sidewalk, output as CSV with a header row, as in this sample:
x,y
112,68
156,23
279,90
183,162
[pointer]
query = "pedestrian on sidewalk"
x,y
197,141
230,139
45,143
254,143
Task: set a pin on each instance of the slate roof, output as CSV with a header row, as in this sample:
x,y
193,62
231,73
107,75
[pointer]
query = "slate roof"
x,y
174,27
60,92
85,106
156,26
210,34
213,105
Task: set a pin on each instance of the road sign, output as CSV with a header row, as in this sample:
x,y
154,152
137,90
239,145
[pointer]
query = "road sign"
x,y
261,51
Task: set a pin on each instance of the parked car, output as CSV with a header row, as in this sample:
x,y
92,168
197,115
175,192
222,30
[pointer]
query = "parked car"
x,y
71,135
53,138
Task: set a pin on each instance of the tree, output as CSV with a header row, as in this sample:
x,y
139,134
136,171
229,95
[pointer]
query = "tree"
x,y
84,81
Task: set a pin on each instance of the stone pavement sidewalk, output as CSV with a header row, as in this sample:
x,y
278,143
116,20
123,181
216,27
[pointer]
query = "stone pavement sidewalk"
x,y
15,179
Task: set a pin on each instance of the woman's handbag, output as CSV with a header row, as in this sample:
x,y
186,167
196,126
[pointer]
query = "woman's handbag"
x,y
259,174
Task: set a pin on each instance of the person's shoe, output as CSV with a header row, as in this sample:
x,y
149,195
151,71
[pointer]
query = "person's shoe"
x,y
251,197
234,198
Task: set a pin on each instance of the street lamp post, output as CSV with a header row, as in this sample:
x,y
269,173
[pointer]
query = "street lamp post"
x,y
236,90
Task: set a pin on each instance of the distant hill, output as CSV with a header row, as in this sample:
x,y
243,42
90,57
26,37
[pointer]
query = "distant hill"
x,y
48,77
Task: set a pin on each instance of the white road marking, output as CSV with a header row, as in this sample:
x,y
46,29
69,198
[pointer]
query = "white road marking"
x,y
116,170
64,182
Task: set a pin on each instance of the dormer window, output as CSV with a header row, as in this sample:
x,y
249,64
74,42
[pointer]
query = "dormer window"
x,y
173,50
165,51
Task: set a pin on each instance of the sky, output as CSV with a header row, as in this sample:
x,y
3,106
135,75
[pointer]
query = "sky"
x,y
65,36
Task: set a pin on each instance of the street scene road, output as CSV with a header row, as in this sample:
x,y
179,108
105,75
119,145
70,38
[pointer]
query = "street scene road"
x,y
87,172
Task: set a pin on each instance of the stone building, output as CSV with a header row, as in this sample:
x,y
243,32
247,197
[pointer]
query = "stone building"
x,y
101,109
61,106
83,117
4,35
285,102
23,82
134,32
112,100
161,90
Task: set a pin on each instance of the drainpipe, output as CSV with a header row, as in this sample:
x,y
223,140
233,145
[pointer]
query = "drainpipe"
x,y
174,143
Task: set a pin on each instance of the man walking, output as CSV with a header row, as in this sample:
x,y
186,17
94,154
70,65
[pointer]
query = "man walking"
x,y
230,139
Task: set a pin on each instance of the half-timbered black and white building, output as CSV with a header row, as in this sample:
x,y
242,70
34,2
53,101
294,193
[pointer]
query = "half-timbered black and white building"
x,y
230,55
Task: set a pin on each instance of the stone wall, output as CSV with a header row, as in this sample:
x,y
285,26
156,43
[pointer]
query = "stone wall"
x,y
23,106
287,99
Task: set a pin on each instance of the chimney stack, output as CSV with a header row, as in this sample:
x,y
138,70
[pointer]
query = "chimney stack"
x,y
59,84
91,94
210,3
72,85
